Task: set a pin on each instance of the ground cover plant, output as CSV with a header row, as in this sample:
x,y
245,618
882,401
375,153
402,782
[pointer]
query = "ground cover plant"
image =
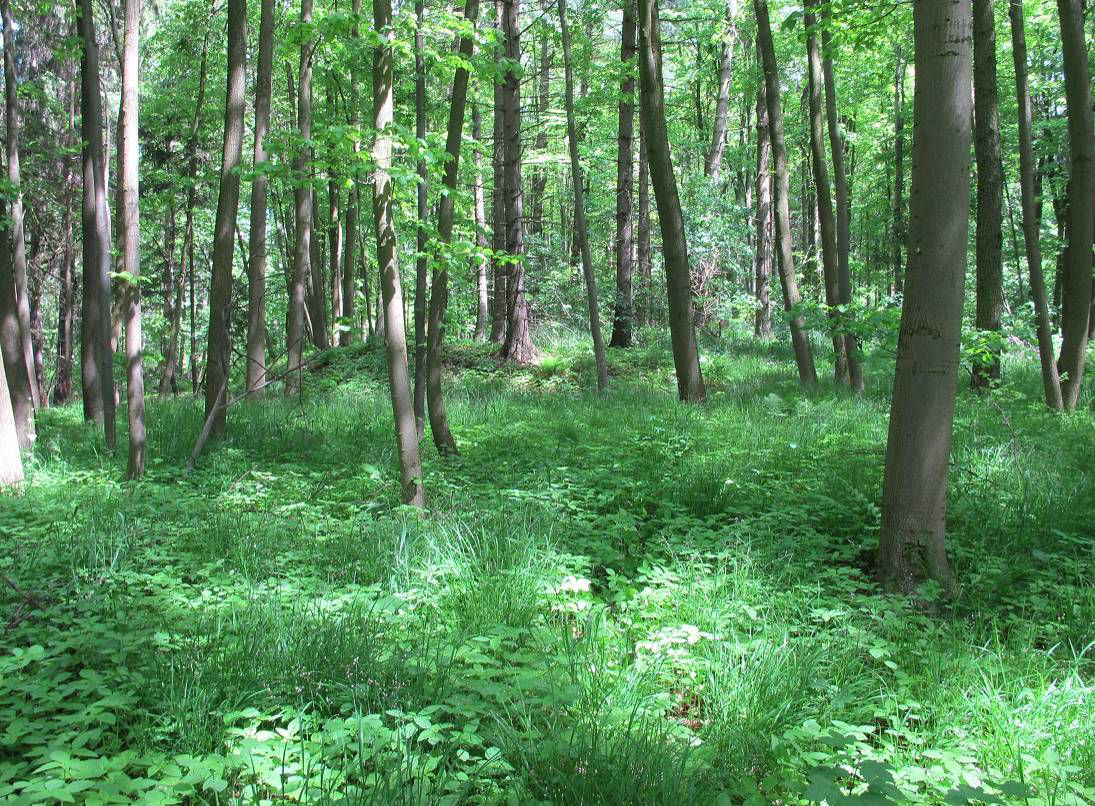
x,y
610,600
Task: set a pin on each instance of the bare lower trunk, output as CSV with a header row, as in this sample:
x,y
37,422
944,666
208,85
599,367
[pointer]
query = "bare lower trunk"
x,y
480,264
624,316
498,212
302,196
762,264
420,268
686,357
899,241
11,463
19,387
353,202
914,496
642,245
713,162
191,200
62,389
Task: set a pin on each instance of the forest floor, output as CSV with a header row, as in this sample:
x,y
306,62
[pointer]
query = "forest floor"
x,y
612,600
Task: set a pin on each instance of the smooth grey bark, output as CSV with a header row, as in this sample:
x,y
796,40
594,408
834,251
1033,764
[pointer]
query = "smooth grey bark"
x,y
480,263
642,235
762,261
11,345
899,234
302,200
914,495
256,238
191,200
624,316
713,161
1051,382
62,388
353,202
130,230
580,226
11,463
499,295
800,341
686,357
421,197
395,335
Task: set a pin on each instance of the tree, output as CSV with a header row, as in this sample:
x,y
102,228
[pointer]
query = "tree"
x,y
421,197
713,162
1081,203
11,346
623,319
899,239
762,261
302,195
256,243
580,226
480,263
131,241
11,464
914,496
62,389
804,357
990,188
1051,383
499,315
686,357
395,335
353,204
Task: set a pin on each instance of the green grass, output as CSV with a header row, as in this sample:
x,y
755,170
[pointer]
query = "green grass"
x,y
611,600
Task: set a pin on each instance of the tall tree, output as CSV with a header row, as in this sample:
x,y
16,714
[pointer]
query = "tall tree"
x,y
1076,309
256,241
623,318
480,263
421,197
518,345
580,226
11,463
349,282
990,187
899,240
686,356
96,360
499,296
18,233
713,161
224,231
1051,382
131,240
302,195
800,341
395,336
191,201
11,344
642,234
914,495
762,260
62,388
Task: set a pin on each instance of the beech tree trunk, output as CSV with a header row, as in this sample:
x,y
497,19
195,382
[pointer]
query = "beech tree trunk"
x,y
843,212
131,241
899,240
191,200
395,336
825,216
914,496
224,231
62,388
686,357
302,196
580,226
800,341
173,304
499,314
713,163
256,240
518,346
11,344
990,191
480,263
96,360
11,463
762,262
1051,382
624,316
420,303
1076,307
642,246
353,202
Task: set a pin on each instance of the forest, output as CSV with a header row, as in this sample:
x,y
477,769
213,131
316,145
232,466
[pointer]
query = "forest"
x,y
547,402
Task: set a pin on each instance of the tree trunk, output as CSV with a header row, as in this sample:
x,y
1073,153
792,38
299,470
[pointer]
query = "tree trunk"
x,y
18,233
387,257
762,264
11,345
317,297
642,246
825,217
228,199
580,225
302,195
986,147
131,241
191,199
173,294
686,357
256,242
481,264
804,357
499,273
713,163
62,389
899,240
11,463
843,212
518,345
1081,205
334,235
1051,382
543,100
624,316
96,360
420,313
349,284
914,496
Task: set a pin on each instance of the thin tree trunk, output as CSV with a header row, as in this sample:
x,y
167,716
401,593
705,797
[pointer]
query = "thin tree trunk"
x,y
256,243
388,260
686,357
543,100
62,389
843,211
1051,383
18,233
986,147
11,463
228,199
899,240
131,241
498,209
642,247
804,357
334,235
191,200
914,496
173,293
624,317
518,346
11,345
825,216
713,162
302,194
96,361
1076,306
420,304
580,225
349,283
317,296
481,264
762,265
